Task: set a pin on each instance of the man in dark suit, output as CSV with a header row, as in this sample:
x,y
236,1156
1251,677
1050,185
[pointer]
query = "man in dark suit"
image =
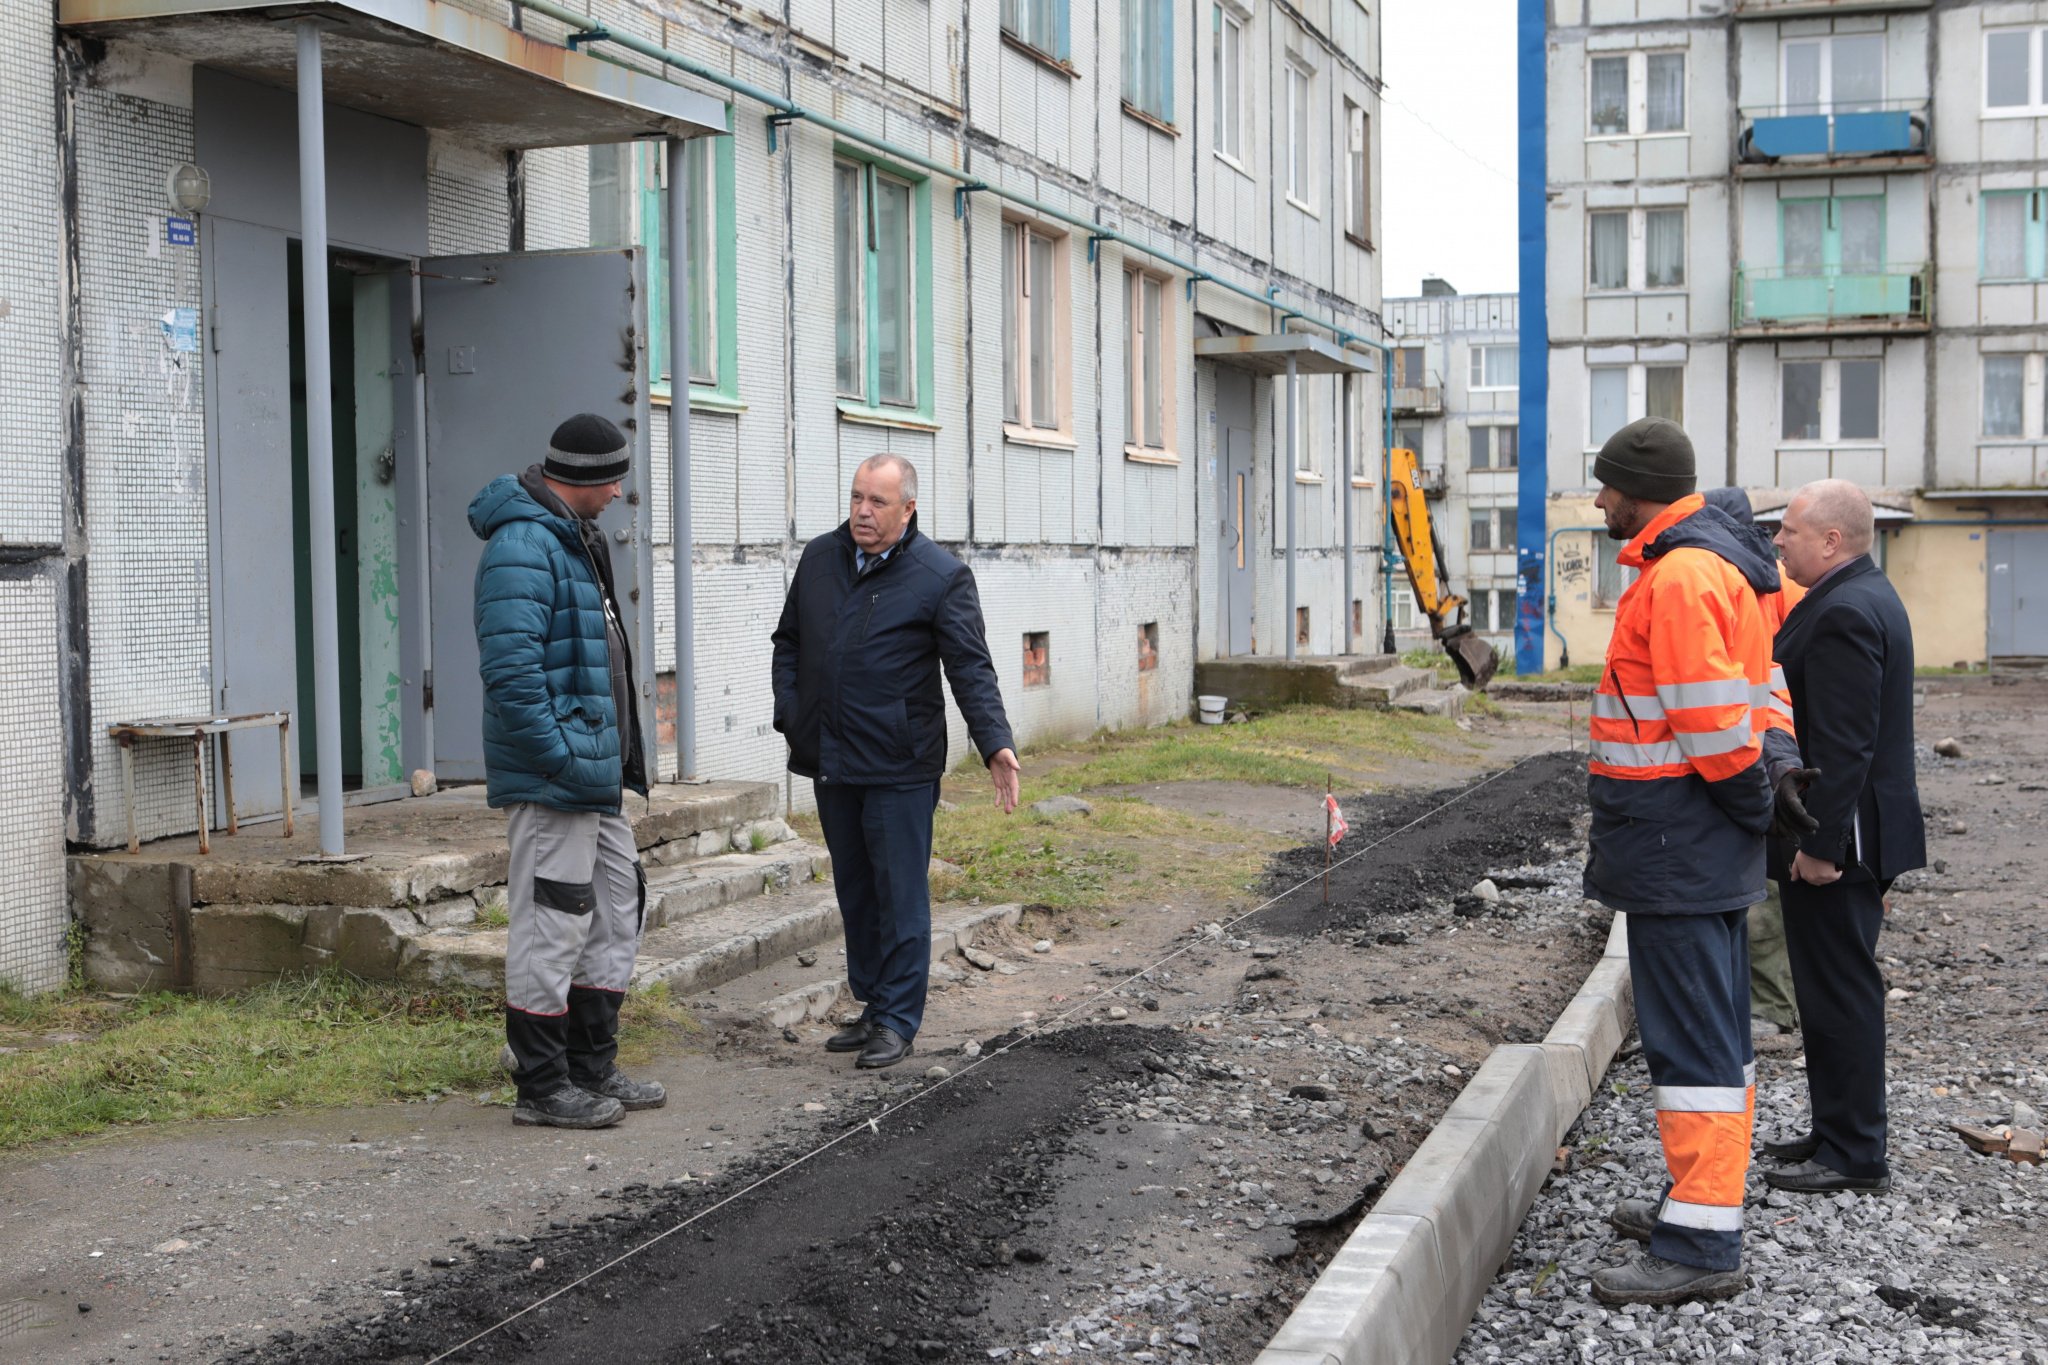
x,y
1851,807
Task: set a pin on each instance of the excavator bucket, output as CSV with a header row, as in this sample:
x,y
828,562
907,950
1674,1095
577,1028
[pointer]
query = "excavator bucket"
x,y
1475,659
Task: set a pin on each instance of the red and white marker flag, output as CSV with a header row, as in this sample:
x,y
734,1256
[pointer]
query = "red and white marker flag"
x,y
1337,826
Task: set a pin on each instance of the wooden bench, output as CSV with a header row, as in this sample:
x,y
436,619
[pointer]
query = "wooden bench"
x,y
198,731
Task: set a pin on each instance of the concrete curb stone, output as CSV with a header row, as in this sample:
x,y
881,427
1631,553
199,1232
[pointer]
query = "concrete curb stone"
x,y
1405,1284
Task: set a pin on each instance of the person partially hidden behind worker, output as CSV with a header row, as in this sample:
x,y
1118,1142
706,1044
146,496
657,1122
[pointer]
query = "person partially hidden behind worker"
x,y
1848,794
874,610
562,743
1680,806
1773,1005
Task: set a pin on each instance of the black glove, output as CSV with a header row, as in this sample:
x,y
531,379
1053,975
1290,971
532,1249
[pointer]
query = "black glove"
x,y
1789,819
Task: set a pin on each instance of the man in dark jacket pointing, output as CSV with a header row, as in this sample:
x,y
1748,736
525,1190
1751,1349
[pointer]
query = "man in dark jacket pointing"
x,y
874,611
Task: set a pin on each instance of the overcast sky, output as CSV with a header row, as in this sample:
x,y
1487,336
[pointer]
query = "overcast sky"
x,y
1448,139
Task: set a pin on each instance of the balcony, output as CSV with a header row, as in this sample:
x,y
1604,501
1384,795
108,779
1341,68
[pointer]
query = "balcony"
x,y
1782,9
1799,140
1430,479
1835,302
1424,401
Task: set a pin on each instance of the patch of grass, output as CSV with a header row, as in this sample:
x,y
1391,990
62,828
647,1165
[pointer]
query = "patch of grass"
x,y
494,913
1950,671
757,839
1127,852
1577,673
1479,704
1298,747
318,1042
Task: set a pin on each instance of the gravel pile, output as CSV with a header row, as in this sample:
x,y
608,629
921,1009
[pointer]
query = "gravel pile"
x,y
1944,1268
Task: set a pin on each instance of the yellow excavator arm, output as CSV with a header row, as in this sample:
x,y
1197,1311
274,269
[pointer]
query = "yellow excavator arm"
x,y
1422,551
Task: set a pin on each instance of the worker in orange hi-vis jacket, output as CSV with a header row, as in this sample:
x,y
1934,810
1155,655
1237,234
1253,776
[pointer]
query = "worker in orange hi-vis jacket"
x,y
1680,805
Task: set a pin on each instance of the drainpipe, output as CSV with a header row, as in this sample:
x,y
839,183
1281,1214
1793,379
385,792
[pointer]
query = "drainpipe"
x,y
1550,584
1349,495
680,536
319,436
1289,461
1387,498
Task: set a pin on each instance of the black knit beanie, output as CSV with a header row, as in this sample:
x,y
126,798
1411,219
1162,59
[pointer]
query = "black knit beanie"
x,y
1650,459
586,451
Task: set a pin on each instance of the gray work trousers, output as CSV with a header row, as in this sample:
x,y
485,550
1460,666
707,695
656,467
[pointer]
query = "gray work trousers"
x,y
575,894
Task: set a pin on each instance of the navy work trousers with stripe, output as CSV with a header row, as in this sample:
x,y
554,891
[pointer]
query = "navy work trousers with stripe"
x,y
1691,979
880,839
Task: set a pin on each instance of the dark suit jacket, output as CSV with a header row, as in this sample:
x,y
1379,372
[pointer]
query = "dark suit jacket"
x,y
1847,652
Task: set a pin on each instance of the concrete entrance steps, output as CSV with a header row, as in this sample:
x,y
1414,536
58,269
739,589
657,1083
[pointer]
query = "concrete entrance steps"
x,y
412,901
1384,687
1331,680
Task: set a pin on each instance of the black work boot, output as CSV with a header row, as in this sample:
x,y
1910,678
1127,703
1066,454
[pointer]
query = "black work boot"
x,y
568,1107
630,1093
1652,1279
1635,1219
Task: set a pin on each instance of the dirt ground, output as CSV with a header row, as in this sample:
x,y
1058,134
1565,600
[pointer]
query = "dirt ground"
x,y
1172,1162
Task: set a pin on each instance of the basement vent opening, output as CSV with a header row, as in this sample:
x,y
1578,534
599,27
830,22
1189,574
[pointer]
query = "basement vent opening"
x,y
1037,658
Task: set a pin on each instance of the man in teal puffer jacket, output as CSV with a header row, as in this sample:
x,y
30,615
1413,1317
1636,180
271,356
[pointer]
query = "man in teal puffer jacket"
x,y
562,743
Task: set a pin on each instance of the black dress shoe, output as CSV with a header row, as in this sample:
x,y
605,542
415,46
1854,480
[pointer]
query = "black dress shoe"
x,y
852,1038
885,1048
1810,1177
1793,1149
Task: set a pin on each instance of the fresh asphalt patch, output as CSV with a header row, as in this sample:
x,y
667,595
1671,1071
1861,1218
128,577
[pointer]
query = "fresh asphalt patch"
x,y
1018,1191
1504,820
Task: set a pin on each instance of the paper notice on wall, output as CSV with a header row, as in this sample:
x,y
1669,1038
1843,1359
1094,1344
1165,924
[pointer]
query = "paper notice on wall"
x,y
181,328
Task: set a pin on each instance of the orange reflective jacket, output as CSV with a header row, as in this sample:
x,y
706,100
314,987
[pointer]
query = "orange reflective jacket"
x,y
1679,799
1777,606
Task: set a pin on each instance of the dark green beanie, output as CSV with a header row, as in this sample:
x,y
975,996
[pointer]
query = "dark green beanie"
x,y
1650,459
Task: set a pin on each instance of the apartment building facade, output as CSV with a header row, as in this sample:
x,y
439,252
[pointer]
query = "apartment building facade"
x,y
1043,248
1804,230
1456,362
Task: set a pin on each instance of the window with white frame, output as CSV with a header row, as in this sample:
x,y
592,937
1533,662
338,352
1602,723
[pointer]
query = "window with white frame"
x,y
1040,24
1635,94
1357,175
1620,394
2015,72
1839,73
628,205
1635,249
1148,363
1495,446
1503,608
1036,385
1829,401
1148,57
1610,576
875,285
1307,394
2015,399
1229,70
1300,154
1495,367
1404,609
1493,528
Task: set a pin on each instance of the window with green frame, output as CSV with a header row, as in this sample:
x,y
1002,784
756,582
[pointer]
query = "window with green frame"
x,y
714,303
1831,236
2014,241
882,277
1148,57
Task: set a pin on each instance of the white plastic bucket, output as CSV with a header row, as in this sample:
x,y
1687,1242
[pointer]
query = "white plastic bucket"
x,y
1211,709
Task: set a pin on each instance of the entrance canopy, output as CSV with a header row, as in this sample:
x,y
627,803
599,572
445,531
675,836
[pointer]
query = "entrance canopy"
x,y
423,62
1270,353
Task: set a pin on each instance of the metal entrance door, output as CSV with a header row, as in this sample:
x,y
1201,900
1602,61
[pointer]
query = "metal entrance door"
x,y
1237,501
2017,563
249,440
513,345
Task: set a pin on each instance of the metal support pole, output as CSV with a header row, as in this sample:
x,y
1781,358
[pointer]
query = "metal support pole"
x,y
1350,495
1292,461
678,248
319,435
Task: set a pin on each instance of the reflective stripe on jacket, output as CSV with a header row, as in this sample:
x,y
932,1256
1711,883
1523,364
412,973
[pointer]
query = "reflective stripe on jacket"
x,y
1680,801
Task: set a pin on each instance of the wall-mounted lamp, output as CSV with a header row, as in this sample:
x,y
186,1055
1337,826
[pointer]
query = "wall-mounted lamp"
x,y
188,188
